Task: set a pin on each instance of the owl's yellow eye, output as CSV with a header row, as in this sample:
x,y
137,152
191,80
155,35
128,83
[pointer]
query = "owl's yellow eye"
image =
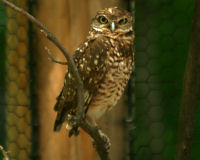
x,y
102,20
123,21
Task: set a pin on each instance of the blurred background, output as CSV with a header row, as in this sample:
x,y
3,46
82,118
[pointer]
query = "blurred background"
x,y
144,124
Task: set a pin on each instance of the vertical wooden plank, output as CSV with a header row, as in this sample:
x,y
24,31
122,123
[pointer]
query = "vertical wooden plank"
x,y
69,20
55,15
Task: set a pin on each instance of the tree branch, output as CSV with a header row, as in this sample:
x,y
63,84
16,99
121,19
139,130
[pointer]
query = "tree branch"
x,y
100,142
70,61
93,131
191,88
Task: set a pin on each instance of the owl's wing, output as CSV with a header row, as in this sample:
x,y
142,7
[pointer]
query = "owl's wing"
x,y
91,61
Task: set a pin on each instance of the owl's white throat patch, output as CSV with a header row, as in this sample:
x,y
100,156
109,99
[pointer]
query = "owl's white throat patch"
x,y
97,29
110,10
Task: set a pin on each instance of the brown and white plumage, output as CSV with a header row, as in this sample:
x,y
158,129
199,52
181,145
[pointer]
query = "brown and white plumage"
x,y
104,61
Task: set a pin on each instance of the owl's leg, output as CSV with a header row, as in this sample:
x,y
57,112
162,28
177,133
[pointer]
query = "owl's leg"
x,y
72,126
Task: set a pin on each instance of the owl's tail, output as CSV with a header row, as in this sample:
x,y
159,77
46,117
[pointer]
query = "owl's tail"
x,y
57,125
62,112
59,119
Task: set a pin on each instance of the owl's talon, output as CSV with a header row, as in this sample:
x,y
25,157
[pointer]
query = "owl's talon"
x,y
74,131
72,121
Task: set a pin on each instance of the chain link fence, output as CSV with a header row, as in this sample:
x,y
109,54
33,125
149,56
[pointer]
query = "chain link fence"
x,y
162,42
17,113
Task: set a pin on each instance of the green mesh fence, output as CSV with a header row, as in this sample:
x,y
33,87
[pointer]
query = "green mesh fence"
x,y
162,41
15,118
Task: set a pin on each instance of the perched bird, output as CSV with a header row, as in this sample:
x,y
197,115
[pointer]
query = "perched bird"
x,y
104,61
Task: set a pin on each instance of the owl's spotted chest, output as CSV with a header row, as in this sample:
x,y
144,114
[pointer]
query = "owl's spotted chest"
x,y
111,89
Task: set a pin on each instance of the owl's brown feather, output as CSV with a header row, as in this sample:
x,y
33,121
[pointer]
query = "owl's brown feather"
x,y
104,61
92,69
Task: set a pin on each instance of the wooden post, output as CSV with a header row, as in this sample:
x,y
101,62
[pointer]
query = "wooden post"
x,y
191,91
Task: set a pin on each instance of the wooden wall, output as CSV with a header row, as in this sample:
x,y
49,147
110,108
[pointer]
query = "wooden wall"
x,y
69,20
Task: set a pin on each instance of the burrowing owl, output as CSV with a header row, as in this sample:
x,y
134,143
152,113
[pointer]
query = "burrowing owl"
x,y
104,61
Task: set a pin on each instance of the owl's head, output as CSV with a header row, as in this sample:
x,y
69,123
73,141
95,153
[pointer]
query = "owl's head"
x,y
112,22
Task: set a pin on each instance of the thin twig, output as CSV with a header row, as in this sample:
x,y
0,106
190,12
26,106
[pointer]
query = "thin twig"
x,y
100,142
51,57
5,154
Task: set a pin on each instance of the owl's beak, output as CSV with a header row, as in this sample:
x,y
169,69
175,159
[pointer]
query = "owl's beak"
x,y
112,26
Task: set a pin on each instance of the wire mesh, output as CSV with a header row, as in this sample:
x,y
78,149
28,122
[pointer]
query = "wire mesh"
x,y
162,42
17,92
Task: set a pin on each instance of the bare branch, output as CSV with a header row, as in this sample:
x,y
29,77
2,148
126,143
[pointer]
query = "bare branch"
x,y
100,142
99,138
5,154
51,57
